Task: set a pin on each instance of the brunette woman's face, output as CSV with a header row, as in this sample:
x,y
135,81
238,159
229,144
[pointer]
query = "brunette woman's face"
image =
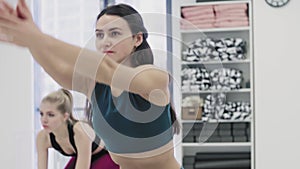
x,y
51,118
114,37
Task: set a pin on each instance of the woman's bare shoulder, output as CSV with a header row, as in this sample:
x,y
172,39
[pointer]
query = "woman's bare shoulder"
x,y
83,130
43,139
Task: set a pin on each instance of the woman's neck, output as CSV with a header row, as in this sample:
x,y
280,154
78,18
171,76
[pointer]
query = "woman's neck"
x,y
62,132
127,61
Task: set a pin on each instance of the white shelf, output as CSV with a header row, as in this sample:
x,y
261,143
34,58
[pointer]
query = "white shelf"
x,y
193,148
216,121
229,29
231,144
216,62
245,90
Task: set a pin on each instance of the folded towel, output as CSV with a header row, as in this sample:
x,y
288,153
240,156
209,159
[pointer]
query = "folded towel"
x,y
231,24
196,8
220,15
200,17
198,12
231,18
196,22
232,11
225,7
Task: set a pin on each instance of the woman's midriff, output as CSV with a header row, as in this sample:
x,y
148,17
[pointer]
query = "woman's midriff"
x,y
162,158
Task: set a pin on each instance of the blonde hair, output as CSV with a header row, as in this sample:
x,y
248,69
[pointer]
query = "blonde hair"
x,y
64,101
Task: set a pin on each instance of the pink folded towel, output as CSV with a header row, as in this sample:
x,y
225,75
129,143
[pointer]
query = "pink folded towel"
x,y
225,7
200,17
196,8
231,18
231,24
202,21
214,16
232,12
198,12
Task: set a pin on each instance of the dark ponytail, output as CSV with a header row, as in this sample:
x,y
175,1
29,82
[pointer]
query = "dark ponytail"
x,y
88,112
142,55
175,123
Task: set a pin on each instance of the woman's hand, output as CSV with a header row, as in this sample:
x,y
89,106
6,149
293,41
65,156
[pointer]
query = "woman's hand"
x,y
17,26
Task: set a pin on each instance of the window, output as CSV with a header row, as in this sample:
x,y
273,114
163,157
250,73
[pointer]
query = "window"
x,y
72,21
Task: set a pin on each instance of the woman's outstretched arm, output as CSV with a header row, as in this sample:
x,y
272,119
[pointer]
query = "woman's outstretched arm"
x,y
18,28
63,62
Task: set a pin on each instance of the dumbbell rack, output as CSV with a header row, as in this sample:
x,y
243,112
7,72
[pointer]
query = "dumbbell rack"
x,y
190,144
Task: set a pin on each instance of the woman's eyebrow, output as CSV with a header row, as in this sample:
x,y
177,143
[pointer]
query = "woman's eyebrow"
x,y
98,30
115,28
46,112
110,29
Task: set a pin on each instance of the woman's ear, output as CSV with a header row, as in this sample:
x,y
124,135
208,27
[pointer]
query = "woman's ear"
x,y
138,39
66,116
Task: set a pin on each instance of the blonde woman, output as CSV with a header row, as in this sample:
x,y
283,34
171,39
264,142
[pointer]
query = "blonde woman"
x,y
68,136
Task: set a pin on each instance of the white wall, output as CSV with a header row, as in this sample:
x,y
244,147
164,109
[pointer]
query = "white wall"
x,y
277,85
16,126
17,121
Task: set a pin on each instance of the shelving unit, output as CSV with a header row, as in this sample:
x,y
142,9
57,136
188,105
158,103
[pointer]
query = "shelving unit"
x,y
182,38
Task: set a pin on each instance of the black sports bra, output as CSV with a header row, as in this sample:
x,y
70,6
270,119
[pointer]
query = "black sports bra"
x,y
57,147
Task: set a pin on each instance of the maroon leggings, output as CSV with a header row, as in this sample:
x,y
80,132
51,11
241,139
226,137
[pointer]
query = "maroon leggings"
x,y
101,162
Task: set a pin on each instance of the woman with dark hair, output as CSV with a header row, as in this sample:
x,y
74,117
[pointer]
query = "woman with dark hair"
x,y
68,135
130,97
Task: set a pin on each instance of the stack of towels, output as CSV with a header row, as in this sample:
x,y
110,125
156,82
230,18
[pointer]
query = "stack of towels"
x,y
214,16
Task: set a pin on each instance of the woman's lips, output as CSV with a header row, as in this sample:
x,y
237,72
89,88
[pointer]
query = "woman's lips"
x,y
108,52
